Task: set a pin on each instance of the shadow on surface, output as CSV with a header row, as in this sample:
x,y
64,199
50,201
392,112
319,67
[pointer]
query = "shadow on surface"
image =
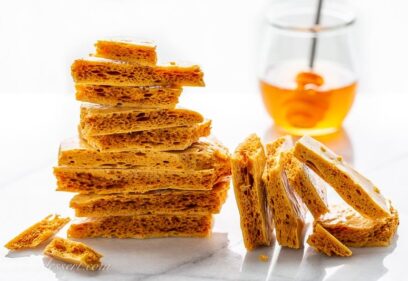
x,y
24,253
365,264
252,265
138,258
287,264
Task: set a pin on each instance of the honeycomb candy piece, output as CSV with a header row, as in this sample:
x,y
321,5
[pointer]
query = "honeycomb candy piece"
x,y
202,155
309,187
354,188
37,233
73,252
154,202
99,71
105,120
176,138
355,230
160,97
322,241
143,226
127,50
248,162
104,181
287,208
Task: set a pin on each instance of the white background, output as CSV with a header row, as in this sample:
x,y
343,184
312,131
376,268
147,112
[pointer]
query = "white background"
x,y
40,39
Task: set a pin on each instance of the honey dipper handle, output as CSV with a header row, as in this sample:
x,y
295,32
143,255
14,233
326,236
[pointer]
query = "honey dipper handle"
x,y
314,39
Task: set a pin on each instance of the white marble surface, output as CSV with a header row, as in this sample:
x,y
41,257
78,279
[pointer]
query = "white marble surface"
x,y
375,139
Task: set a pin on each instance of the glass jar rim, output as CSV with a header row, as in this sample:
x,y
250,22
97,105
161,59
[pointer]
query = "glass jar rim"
x,y
345,14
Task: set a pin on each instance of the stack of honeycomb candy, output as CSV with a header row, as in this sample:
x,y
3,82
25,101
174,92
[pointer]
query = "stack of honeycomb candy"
x,y
141,166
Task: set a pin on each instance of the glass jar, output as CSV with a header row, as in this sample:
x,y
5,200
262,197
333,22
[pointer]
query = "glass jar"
x,y
307,72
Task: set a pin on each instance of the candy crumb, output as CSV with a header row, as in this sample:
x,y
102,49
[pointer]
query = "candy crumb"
x,y
263,258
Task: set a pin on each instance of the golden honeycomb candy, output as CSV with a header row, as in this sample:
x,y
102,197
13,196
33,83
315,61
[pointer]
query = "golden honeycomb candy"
x,y
143,226
354,188
37,233
142,52
322,241
73,252
288,210
106,120
99,71
248,162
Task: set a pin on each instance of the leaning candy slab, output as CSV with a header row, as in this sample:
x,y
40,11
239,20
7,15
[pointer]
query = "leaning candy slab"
x,y
288,210
354,188
308,186
248,162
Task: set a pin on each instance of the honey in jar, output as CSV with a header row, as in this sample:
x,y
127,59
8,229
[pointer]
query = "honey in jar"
x,y
303,101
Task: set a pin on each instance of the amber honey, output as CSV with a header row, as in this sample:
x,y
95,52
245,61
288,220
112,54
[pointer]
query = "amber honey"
x,y
308,102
